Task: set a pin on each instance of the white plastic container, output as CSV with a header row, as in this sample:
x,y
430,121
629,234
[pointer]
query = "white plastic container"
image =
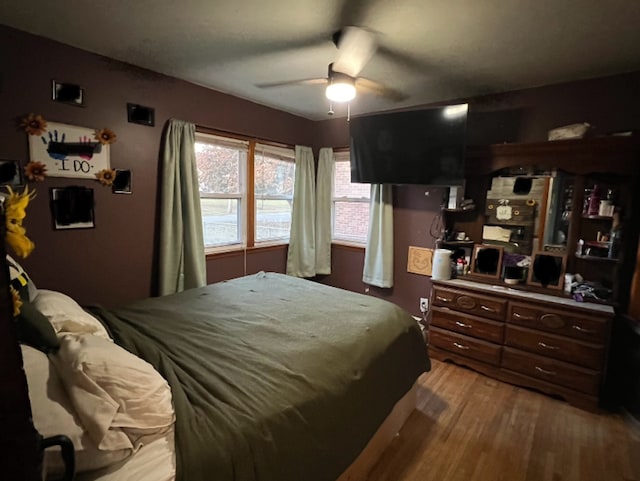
x,y
441,270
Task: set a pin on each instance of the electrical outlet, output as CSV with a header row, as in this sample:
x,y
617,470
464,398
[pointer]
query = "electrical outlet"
x,y
424,304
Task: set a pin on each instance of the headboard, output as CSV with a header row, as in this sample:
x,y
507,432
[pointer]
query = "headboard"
x,y
20,452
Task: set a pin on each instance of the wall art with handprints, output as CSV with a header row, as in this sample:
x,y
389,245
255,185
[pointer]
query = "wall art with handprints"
x,y
69,151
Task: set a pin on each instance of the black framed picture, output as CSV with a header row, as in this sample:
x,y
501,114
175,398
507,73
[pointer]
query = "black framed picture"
x,y
67,93
139,114
72,208
122,182
11,173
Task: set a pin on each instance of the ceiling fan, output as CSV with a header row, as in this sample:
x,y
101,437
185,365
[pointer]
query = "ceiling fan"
x,y
355,46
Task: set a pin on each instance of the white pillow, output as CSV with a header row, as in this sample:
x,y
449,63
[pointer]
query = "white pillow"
x,y
111,388
66,315
16,271
53,414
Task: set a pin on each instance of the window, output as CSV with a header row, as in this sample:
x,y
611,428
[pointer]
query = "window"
x,y
274,177
350,203
239,209
222,165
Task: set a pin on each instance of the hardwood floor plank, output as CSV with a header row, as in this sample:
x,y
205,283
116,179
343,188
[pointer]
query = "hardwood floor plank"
x,y
468,427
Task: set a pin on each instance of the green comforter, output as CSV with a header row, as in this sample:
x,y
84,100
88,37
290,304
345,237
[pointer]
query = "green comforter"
x,y
274,378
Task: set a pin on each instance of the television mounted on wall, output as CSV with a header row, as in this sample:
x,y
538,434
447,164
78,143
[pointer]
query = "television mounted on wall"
x,y
414,147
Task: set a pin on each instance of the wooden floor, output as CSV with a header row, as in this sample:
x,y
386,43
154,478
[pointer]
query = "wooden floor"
x,y
468,427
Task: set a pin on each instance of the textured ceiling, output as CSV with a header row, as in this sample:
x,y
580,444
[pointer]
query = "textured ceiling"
x,y
429,50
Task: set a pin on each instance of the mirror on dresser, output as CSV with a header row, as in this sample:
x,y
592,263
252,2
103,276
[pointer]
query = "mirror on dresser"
x,y
527,210
570,198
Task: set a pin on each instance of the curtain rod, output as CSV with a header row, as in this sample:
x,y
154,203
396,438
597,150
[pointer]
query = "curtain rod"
x,y
208,130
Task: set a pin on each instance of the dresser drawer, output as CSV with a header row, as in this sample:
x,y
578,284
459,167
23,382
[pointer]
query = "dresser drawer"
x,y
564,322
563,348
465,345
551,370
473,326
485,306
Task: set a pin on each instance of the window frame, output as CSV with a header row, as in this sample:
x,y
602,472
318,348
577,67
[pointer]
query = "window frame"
x,y
247,207
344,156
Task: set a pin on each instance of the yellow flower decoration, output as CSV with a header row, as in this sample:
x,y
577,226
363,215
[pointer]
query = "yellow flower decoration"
x,y
17,301
34,124
15,211
105,136
106,176
35,171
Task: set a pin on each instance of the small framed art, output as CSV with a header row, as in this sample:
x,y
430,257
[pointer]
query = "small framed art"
x,y
72,208
10,173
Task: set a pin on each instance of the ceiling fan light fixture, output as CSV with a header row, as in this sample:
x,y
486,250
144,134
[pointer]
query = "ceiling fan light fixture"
x,y
341,90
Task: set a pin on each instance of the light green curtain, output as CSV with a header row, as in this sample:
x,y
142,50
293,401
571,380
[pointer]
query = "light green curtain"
x,y
378,256
301,257
324,199
181,257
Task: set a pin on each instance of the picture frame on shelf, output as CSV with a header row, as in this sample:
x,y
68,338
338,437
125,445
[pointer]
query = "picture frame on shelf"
x,y
486,261
547,270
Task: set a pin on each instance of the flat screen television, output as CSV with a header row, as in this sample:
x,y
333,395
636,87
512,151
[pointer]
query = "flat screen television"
x,y
414,147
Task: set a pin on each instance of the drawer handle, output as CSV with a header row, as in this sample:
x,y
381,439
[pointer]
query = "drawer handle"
x,y
583,330
442,299
547,346
460,346
485,308
462,324
525,318
544,371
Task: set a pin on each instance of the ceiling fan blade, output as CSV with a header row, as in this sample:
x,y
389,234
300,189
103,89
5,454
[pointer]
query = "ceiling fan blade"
x,y
356,46
309,81
379,89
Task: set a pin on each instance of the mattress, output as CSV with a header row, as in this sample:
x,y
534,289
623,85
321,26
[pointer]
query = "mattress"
x,y
273,377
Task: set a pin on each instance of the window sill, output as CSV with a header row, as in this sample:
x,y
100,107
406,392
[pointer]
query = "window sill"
x,y
342,244
236,250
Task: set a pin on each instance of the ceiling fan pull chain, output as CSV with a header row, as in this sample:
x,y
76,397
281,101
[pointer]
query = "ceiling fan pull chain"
x,y
330,112
349,112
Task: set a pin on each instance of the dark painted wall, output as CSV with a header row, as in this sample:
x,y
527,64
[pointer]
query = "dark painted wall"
x,y
609,104
114,263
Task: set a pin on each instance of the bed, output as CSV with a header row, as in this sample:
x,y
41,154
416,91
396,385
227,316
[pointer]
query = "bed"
x,y
265,377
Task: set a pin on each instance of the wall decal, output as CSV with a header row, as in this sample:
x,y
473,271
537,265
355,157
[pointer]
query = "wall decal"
x,y
72,208
35,171
106,176
34,124
71,94
71,151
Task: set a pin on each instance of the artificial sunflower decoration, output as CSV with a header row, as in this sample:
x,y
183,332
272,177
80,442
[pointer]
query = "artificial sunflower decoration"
x,y
34,124
105,136
17,301
35,171
106,176
15,211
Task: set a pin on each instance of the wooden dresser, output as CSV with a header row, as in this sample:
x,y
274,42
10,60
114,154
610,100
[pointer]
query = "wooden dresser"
x,y
549,343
